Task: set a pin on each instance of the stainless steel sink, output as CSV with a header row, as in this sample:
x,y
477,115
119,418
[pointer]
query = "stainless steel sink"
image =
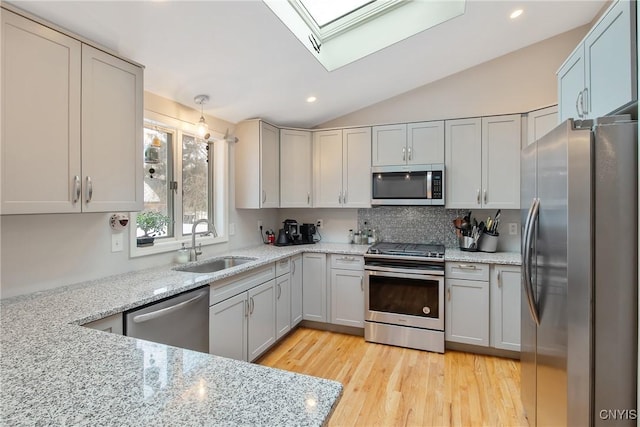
x,y
216,264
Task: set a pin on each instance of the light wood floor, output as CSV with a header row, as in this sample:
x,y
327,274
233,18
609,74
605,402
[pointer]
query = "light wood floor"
x,y
392,386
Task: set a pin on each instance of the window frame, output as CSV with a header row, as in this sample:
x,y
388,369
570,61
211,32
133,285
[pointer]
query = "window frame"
x,y
219,194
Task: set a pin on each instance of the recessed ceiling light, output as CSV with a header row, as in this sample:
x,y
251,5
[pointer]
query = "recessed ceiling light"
x,y
311,99
515,13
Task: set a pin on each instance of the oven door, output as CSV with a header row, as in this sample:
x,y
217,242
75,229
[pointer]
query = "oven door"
x,y
405,299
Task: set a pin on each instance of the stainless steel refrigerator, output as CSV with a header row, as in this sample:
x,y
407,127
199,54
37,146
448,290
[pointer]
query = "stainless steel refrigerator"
x,y
579,283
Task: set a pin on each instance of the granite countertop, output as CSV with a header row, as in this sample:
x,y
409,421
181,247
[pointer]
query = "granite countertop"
x,y
505,258
54,372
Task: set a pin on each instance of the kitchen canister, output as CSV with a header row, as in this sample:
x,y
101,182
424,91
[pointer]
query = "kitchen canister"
x,y
488,242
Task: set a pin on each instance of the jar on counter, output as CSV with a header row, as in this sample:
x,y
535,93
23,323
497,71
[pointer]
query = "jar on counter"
x,y
351,236
182,257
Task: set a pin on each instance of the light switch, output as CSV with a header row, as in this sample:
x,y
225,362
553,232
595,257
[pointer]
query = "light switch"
x,y
117,242
232,228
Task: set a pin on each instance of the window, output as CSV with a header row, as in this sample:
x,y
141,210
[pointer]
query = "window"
x,y
184,181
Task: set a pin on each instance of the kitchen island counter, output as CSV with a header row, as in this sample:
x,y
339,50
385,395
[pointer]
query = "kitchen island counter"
x,y
55,372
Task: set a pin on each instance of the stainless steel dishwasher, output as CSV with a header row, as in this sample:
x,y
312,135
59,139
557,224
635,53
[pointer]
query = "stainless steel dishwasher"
x,y
180,321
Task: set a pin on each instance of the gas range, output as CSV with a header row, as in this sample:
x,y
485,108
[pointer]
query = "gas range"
x,y
409,251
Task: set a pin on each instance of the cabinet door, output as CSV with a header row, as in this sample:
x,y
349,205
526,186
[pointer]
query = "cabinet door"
x,y
262,318
501,141
347,297
269,166
228,327
467,312
425,143
609,69
40,151
356,163
571,85
540,122
283,305
463,163
296,168
389,145
327,170
296,290
505,307
314,287
111,133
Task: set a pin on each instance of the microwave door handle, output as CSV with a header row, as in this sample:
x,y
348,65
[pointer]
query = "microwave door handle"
x,y
429,185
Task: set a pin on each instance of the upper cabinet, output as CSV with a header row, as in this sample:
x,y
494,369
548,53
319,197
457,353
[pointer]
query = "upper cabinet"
x,y
408,144
540,122
342,168
71,126
257,165
600,75
296,168
483,162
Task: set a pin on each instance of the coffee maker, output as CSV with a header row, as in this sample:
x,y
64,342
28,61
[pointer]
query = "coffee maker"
x,y
306,233
289,233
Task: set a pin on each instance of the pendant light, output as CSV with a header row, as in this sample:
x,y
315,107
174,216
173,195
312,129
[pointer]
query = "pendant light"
x,y
202,128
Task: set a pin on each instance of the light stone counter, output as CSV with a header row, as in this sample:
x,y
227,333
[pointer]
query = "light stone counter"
x,y
54,372
504,258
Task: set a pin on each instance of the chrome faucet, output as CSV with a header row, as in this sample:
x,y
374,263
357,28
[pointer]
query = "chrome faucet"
x,y
194,252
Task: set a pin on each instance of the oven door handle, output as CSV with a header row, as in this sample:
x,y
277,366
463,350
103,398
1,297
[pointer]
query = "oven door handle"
x,y
420,274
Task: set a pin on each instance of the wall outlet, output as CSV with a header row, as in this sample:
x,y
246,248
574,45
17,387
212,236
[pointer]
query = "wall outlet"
x,y
117,242
259,223
319,223
232,228
513,228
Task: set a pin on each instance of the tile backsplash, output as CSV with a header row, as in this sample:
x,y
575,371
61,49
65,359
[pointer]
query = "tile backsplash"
x,y
427,224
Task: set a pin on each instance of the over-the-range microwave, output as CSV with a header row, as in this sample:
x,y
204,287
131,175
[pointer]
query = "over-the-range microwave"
x,y
408,185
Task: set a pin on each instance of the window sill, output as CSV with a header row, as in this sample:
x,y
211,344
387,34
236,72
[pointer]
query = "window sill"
x,y
172,244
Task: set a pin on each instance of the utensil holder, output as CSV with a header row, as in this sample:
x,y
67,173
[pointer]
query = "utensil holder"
x,y
467,244
488,242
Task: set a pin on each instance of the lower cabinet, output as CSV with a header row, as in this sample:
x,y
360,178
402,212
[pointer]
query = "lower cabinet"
x,y
467,311
505,307
296,289
261,325
347,290
314,287
283,305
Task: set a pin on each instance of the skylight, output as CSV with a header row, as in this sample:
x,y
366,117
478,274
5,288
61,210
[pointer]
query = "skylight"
x,y
339,32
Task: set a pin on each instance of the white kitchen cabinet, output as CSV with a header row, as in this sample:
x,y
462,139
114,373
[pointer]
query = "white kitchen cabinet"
x,y
296,290
112,324
296,168
482,159
314,287
342,168
540,122
283,298
505,307
72,116
347,290
257,165
608,67
262,314
408,144
467,305
228,327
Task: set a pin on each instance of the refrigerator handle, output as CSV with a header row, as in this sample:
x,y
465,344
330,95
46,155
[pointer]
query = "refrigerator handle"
x,y
528,285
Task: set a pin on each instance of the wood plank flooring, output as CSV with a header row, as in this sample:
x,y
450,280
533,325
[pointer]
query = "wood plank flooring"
x,y
392,386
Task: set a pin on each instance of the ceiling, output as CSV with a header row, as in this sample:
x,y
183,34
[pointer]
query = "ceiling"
x,y
251,65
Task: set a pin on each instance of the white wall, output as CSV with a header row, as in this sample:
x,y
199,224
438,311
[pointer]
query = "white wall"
x,y
518,82
336,222
41,252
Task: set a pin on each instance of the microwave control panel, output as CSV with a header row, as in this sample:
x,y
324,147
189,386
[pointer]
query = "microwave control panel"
x,y
436,185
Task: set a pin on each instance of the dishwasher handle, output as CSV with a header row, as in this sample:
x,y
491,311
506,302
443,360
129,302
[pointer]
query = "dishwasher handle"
x,y
159,313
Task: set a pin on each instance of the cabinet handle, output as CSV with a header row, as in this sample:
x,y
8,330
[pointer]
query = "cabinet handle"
x,y
264,196
347,258
484,195
361,284
344,198
585,102
404,154
246,313
410,153
76,189
279,290
293,267
467,267
449,294
499,280
579,104
340,198
252,305
89,189
478,196
308,198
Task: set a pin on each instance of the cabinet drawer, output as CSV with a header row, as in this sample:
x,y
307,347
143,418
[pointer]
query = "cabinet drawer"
x,y
467,271
231,286
347,262
283,266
